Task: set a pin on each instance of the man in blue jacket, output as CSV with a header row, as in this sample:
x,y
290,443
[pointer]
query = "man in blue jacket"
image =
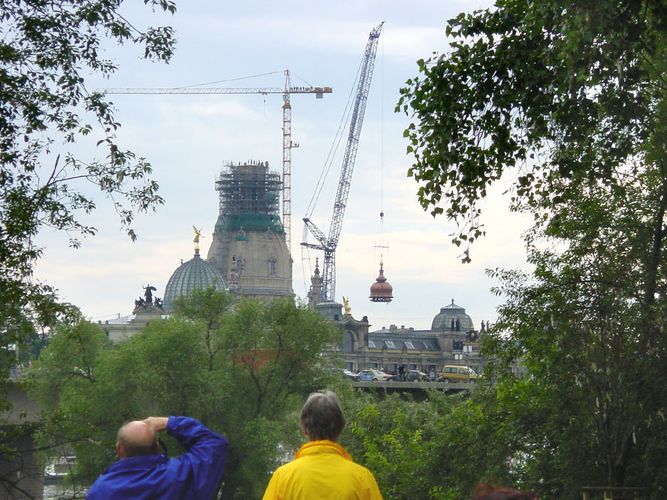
x,y
143,473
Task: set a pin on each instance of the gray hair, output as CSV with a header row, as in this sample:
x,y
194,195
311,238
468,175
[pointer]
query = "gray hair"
x,y
322,416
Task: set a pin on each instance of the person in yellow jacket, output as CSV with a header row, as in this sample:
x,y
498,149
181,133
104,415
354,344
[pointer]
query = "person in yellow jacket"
x,y
322,469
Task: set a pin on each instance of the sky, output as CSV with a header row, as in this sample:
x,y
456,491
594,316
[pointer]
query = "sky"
x,y
189,138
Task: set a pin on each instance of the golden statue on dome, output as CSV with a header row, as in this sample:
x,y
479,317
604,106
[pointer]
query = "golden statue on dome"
x,y
196,239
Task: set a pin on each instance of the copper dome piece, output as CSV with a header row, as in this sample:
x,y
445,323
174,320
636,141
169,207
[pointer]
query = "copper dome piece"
x,y
381,290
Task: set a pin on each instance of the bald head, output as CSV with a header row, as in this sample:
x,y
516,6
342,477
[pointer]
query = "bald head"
x,y
136,438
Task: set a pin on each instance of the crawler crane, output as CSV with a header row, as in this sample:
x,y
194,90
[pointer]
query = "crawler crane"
x,y
329,244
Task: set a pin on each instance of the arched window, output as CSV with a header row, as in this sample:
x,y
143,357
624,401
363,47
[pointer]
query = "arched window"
x,y
272,266
348,342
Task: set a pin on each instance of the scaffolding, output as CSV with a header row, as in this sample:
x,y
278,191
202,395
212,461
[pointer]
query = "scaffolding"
x,y
249,197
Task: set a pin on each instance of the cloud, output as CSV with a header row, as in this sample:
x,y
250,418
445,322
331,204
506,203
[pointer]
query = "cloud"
x,y
312,33
217,106
189,138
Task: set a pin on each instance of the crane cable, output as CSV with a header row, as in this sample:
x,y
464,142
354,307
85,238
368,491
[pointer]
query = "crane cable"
x,y
229,80
324,173
382,80
381,243
345,119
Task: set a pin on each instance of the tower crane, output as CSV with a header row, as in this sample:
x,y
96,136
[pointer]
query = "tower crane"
x,y
329,244
288,145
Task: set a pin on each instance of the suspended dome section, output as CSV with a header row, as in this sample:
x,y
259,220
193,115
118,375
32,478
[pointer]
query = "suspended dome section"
x,y
195,274
381,290
453,318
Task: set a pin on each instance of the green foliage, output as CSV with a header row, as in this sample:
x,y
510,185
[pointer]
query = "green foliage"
x,y
395,441
510,433
569,101
271,356
68,363
588,328
241,368
46,51
402,440
267,345
556,93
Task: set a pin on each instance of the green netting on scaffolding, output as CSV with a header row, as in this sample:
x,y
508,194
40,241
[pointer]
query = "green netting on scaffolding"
x,y
251,222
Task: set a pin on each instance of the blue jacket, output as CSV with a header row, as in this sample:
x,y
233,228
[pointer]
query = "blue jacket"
x,y
196,474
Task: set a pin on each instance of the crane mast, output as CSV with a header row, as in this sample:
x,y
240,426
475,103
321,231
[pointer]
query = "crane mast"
x,y
288,145
329,244
287,163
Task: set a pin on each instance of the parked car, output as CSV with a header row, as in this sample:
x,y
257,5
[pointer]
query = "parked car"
x,y
338,372
416,376
372,375
456,373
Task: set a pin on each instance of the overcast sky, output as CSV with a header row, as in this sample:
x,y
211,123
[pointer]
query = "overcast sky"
x,y
189,138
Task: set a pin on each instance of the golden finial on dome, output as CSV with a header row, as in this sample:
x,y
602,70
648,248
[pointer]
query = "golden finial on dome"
x,y
196,239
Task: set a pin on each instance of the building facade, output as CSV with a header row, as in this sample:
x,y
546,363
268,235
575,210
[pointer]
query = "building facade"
x,y
248,247
452,339
249,257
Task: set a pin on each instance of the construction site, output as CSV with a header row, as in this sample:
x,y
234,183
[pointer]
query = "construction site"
x,y
249,248
249,197
250,255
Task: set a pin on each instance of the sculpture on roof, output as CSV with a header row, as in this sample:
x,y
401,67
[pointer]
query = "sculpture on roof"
x,y
148,293
196,239
147,302
346,306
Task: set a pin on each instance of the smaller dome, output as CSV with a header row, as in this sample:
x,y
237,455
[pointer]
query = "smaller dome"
x,y
452,317
381,290
195,274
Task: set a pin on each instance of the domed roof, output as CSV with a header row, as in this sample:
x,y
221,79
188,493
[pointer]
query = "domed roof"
x,y
452,318
381,290
195,274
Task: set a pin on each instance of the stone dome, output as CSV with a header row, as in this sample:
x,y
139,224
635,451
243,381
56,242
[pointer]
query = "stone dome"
x,y
452,318
195,274
381,290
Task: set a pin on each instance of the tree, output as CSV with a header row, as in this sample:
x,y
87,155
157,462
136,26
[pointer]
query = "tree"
x,y
241,370
210,308
61,382
570,98
46,48
555,93
396,439
439,448
592,343
269,356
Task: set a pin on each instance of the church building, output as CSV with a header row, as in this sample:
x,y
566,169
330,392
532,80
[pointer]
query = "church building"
x,y
249,257
249,248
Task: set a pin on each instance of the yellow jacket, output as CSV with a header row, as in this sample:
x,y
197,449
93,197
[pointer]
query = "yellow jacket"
x,y
322,470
